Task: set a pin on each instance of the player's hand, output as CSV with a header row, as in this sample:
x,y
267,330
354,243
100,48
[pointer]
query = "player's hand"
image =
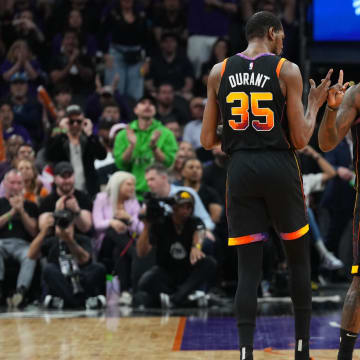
x,y
336,92
319,94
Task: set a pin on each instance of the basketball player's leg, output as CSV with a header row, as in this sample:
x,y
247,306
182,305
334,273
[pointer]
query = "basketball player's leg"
x,y
286,206
247,221
350,322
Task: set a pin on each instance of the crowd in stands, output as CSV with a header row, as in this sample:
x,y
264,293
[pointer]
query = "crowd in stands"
x,y
101,101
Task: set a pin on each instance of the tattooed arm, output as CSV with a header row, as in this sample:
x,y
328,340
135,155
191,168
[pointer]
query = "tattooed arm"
x,y
337,121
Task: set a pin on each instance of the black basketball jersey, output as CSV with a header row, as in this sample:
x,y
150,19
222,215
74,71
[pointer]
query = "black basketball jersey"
x,y
252,106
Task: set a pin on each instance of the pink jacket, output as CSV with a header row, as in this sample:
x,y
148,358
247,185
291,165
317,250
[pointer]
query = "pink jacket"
x,y
103,213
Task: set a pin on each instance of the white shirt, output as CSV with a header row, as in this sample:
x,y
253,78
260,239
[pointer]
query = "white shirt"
x,y
312,183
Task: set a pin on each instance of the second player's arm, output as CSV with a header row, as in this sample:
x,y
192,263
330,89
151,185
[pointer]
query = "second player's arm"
x,y
336,123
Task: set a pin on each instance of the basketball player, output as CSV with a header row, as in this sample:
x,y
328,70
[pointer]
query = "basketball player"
x,y
258,95
341,115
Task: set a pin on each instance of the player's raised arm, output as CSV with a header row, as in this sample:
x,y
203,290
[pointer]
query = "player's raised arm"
x,y
339,115
208,137
301,126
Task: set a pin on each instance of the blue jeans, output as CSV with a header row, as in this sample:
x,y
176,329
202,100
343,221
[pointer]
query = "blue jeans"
x,y
131,81
314,227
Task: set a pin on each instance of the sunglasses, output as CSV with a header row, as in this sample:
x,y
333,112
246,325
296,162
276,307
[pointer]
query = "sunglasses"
x,y
72,122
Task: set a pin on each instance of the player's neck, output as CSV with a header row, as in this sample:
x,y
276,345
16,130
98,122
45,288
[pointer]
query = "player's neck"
x,y
256,47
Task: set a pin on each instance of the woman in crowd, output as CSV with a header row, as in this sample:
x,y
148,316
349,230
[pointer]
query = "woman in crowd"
x,y
116,221
34,189
19,59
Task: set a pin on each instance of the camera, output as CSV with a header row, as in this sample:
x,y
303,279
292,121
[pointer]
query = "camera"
x,y
155,211
63,218
70,269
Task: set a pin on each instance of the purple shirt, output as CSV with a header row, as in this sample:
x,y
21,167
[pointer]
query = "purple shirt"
x,y
103,213
208,20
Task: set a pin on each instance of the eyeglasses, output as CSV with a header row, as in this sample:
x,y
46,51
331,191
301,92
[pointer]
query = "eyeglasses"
x,y
78,121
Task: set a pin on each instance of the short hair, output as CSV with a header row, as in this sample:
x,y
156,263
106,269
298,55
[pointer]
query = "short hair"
x,y
12,171
159,168
259,24
111,103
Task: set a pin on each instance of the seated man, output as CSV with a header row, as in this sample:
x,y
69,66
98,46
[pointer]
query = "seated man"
x,y
72,279
181,267
18,225
64,196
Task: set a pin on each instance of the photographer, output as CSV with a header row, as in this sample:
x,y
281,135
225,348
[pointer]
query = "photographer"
x,y
71,278
181,267
64,196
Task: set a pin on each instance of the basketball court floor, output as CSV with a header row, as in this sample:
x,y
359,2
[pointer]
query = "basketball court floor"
x,y
125,333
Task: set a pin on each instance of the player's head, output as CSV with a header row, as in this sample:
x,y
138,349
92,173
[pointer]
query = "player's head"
x,y
267,27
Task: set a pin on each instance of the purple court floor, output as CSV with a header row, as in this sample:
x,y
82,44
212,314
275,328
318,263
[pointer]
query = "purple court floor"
x,y
220,333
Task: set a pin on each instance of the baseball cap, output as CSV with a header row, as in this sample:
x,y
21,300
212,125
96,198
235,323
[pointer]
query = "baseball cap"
x,y
73,110
62,168
184,197
19,77
147,97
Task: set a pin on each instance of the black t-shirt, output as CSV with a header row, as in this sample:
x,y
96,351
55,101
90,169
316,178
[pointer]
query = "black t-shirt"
x,y
50,247
15,228
173,249
208,196
49,202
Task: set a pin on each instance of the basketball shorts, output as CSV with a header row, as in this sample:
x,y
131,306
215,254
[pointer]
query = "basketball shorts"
x,y
264,189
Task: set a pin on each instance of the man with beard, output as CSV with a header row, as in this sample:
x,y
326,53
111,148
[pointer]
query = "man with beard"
x,y
64,196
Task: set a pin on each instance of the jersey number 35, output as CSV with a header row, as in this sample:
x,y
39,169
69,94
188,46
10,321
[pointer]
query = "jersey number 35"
x,y
243,111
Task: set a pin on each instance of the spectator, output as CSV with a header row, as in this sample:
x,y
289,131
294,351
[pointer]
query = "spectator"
x,y
80,147
181,267
72,67
128,38
158,182
62,96
144,141
24,27
18,225
220,51
339,195
20,60
193,128
115,217
9,127
27,110
171,67
313,183
71,278
65,196
174,126
171,18
75,22
185,151
33,187
192,174
166,109
106,96
106,166
12,146
215,173
207,20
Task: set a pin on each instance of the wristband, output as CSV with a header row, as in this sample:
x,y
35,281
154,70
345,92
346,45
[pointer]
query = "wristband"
x,y
197,246
332,109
